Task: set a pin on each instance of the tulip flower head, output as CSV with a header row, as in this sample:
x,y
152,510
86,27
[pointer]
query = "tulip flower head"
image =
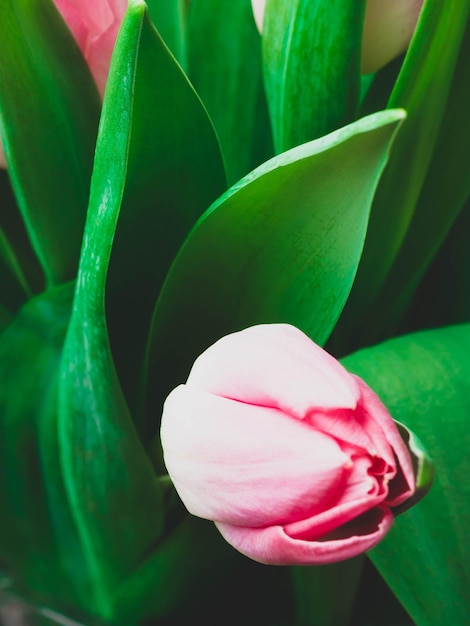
x,y
294,459
388,28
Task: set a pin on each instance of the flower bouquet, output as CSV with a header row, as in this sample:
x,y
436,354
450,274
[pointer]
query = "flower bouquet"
x,y
234,313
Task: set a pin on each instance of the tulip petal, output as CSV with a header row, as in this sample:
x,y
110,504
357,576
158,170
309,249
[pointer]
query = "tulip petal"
x,y
404,483
251,366
244,464
361,494
94,25
272,546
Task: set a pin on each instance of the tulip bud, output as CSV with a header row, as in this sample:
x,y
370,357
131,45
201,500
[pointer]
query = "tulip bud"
x,y
388,28
294,459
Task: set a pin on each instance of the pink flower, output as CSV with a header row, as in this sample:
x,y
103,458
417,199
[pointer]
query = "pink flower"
x,y
94,25
295,460
388,28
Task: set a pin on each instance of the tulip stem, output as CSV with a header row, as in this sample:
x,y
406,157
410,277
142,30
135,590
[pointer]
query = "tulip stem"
x,y
325,594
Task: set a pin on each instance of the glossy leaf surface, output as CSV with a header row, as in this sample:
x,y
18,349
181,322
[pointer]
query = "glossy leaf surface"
x,y
445,190
38,539
224,50
169,17
312,52
280,246
48,101
424,380
168,169
114,492
430,62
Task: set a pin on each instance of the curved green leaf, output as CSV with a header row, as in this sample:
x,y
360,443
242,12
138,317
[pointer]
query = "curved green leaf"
x,y
27,268
14,288
49,103
163,169
422,88
38,538
280,246
424,380
224,64
445,190
169,17
312,51
151,181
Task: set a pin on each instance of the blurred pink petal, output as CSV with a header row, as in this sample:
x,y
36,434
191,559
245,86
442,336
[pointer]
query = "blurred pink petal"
x,y
94,25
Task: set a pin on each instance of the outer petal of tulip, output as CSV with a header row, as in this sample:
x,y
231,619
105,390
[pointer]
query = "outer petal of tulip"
x,y
314,378
94,25
388,28
206,437
273,546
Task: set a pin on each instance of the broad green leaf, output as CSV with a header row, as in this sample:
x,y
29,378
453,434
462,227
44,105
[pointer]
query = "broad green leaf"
x,y
312,51
224,54
282,245
49,103
115,495
422,88
167,170
38,540
424,380
169,17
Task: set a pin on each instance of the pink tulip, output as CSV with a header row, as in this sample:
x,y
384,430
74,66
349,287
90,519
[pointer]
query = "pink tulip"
x,y
94,25
295,460
388,28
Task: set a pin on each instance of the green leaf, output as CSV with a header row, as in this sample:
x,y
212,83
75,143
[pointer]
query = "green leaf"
x,y
445,190
169,17
27,269
224,50
325,595
38,539
424,380
15,290
163,169
280,246
49,103
422,88
114,492
312,51
175,576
